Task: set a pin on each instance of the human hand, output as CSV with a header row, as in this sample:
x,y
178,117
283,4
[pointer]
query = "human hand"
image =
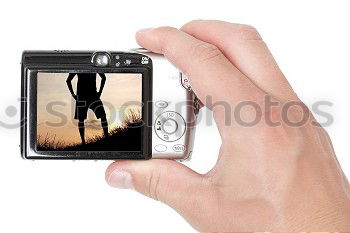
x,y
271,178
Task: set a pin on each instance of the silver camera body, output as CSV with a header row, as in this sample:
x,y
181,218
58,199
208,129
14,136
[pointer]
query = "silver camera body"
x,y
174,111
169,106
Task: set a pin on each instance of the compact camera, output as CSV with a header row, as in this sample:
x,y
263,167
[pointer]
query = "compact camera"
x,y
105,105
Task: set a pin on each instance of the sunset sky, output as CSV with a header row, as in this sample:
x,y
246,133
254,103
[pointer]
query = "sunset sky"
x,y
53,91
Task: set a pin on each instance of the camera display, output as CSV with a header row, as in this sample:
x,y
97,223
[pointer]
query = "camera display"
x,y
81,111
105,105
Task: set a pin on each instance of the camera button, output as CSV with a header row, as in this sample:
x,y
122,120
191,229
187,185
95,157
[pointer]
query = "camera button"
x,y
127,62
161,104
170,126
160,148
179,148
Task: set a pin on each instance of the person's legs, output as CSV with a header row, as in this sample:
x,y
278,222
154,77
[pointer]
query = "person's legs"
x,y
104,124
97,107
82,131
81,109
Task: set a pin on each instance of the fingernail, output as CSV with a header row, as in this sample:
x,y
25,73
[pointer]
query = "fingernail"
x,y
144,30
120,179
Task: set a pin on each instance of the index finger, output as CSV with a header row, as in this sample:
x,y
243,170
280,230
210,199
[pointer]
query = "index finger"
x,y
244,48
209,71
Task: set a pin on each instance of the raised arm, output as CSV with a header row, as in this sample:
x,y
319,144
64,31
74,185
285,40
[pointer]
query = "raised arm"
x,y
103,81
69,84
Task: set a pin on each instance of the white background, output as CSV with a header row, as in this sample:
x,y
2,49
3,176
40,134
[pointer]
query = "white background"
x,y
310,40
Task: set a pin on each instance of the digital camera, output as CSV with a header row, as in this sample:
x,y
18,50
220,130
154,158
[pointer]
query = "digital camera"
x,y
105,105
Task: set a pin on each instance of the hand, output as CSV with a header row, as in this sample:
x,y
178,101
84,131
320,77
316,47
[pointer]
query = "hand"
x,y
267,178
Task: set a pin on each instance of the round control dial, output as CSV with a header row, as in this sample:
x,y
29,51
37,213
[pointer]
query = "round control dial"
x,y
170,126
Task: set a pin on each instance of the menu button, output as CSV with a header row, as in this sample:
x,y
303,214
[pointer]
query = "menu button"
x,y
179,148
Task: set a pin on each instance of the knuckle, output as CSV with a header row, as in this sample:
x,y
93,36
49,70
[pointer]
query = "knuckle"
x,y
205,51
248,32
296,114
273,115
191,23
166,34
166,29
154,185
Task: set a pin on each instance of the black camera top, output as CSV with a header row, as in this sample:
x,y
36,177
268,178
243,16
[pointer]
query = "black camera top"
x,y
85,59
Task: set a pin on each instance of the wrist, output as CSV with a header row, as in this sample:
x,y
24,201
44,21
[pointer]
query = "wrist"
x,y
334,217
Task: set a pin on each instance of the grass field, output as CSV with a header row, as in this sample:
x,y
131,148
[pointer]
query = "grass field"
x,y
126,137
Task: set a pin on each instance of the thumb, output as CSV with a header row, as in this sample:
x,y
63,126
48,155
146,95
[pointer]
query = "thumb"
x,y
165,180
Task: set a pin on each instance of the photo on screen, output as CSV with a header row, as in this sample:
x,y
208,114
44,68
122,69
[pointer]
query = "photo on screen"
x,y
89,111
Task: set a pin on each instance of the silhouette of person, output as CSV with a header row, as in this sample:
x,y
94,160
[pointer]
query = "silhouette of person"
x,y
87,97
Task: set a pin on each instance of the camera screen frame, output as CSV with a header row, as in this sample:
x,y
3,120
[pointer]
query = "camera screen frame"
x,y
29,112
